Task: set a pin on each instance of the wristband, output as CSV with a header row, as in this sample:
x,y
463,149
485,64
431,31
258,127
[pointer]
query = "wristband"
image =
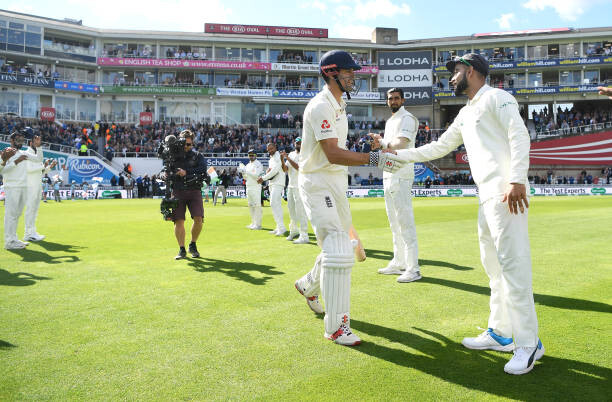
x,y
374,157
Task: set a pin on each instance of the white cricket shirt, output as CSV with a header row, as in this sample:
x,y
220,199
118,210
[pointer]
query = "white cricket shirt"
x,y
15,175
34,167
495,137
402,124
276,174
291,171
252,171
324,118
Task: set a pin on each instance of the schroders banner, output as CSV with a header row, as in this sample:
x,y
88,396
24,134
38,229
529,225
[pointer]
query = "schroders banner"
x,y
47,113
410,71
265,30
146,118
178,63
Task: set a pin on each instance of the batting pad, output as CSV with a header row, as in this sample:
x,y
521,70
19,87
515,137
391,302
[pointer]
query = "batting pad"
x,y
336,267
311,282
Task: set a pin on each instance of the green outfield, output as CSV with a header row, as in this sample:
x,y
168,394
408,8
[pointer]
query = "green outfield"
x,y
101,311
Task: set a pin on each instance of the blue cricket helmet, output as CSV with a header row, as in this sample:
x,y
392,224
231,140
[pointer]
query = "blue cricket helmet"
x,y
334,60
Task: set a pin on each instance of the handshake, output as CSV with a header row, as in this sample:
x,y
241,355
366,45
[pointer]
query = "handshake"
x,y
388,161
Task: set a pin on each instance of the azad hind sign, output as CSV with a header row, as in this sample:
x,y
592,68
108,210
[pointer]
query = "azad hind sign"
x,y
410,71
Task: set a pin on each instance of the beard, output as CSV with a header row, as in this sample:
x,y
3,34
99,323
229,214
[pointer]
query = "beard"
x,y
461,86
395,108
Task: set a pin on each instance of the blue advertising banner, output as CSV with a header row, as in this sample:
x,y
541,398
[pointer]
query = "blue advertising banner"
x,y
531,91
421,172
575,61
77,87
82,169
26,80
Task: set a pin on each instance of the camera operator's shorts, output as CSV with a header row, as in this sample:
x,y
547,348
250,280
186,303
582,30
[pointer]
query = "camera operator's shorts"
x,y
191,199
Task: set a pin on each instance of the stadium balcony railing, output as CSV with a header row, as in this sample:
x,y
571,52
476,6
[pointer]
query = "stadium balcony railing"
x,y
548,57
571,131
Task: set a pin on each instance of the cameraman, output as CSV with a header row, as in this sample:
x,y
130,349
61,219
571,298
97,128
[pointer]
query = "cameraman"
x,y
191,169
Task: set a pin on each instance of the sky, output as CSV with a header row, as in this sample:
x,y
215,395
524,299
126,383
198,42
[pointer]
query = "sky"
x,y
353,19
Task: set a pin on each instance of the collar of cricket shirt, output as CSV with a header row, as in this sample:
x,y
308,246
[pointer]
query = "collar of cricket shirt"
x,y
481,91
338,108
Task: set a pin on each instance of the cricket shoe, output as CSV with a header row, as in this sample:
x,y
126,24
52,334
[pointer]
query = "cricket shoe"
x,y
292,236
34,237
489,340
344,336
15,245
524,359
409,277
182,254
273,232
302,240
250,226
313,301
255,227
193,250
391,270
280,232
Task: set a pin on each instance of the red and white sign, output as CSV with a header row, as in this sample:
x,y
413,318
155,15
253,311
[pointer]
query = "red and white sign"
x,y
146,118
47,113
178,63
590,149
461,157
265,30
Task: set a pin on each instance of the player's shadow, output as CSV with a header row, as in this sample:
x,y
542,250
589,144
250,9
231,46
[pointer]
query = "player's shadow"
x,y
67,248
567,303
30,255
19,278
4,345
388,256
441,357
235,269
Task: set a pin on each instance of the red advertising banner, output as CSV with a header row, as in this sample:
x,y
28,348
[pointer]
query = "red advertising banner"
x,y
461,157
146,118
47,113
265,30
590,149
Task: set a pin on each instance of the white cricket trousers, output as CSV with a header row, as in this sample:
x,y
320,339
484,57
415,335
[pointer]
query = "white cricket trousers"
x,y
506,257
299,220
398,202
15,200
327,208
276,203
254,201
33,197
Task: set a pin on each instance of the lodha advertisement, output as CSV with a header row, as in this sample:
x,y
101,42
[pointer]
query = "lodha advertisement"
x,y
410,71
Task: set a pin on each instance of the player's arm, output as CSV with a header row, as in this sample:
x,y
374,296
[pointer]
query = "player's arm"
x,y
507,112
447,142
339,156
272,172
407,135
284,158
293,164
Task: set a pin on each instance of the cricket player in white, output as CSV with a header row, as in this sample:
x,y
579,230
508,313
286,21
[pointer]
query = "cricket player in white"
x,y
497,144
298,226
251,172
400,133
35,170
322,185
14,173
276,175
